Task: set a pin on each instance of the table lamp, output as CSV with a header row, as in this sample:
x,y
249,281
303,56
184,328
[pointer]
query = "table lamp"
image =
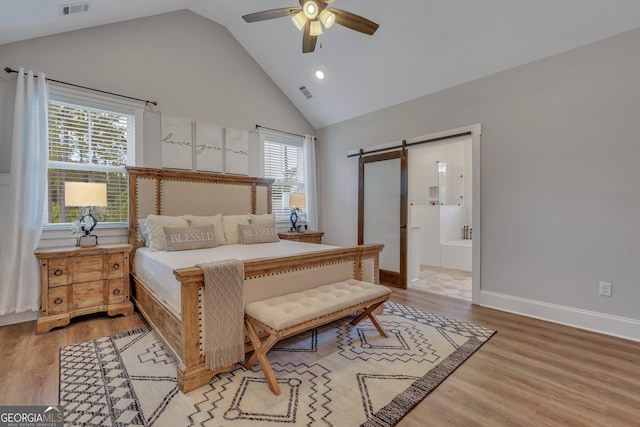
x,y
297,201
86,194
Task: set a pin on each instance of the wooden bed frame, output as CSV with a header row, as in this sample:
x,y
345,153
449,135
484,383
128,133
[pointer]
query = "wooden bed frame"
x,y
172,192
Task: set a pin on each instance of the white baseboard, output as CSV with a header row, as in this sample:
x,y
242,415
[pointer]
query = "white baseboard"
x,y
616,326
10,319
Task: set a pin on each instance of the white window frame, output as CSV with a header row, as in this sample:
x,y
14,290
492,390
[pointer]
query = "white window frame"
x,y
101,102
281,138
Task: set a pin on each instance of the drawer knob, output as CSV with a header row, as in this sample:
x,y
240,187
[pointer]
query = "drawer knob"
x,y
116,266
58,272
116,291
57,301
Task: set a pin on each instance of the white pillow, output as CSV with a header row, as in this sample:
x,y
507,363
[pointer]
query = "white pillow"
x,y
230,224
143,232
156,224
265,219
215,220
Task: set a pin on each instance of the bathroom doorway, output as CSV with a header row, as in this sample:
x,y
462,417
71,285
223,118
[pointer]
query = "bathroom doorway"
x,y
468,191
440,196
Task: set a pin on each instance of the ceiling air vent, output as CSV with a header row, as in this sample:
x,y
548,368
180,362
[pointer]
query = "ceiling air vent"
x,y
305,92
68,9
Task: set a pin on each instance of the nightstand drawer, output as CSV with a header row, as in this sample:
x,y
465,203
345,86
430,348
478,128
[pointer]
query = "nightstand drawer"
x,y
116,291
58,300
88,294
115,266
58,272
87,268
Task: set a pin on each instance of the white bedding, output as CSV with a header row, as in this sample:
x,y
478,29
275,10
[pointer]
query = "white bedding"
x,y
156,268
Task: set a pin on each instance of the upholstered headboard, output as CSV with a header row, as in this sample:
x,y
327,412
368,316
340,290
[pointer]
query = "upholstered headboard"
x,y
174,192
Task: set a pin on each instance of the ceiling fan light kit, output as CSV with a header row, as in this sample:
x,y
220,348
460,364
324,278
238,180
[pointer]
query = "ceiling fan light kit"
x,y
311,16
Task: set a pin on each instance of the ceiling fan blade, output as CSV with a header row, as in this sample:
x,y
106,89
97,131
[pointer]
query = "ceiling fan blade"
x,y
308,41
271,14
354,22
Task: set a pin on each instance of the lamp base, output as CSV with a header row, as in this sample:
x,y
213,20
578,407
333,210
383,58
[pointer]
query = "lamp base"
x,y
294,219
87,241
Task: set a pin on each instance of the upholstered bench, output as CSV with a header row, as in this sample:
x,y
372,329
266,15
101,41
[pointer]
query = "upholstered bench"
x,y
291,314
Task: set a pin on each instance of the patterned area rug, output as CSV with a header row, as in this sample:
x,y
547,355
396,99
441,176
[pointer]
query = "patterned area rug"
x,y
337,375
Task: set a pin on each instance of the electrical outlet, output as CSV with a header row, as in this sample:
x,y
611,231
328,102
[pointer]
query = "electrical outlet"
x,y
605,289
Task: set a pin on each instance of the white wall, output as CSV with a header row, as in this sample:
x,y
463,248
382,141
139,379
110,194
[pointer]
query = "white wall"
x,y
559,180
193,67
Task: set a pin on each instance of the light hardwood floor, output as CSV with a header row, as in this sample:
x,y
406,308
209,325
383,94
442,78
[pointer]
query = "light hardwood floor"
x,y
531,373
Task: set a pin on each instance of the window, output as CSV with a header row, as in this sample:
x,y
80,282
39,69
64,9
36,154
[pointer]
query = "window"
x,y
284,161
89,142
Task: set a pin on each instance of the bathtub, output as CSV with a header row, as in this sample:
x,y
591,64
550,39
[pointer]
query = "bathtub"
x,y
456,254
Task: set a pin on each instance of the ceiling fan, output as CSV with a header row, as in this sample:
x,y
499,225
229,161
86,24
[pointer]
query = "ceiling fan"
x,y
311,16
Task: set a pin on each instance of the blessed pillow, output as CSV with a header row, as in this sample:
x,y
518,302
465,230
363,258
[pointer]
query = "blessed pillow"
x,y
186,238
230,224
156,223
215,220
266,219
257,233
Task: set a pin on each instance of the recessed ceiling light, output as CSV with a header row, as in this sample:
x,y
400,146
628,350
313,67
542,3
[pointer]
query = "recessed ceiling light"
x,y
319,74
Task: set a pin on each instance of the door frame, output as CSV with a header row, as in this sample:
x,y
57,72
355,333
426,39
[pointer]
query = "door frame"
x,y
392,278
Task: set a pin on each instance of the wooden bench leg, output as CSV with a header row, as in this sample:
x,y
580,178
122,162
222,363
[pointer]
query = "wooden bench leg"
x,y
368,312
260,354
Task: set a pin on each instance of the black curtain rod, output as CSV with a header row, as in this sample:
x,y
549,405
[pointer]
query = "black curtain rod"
x,y
405,144
282,131
9,70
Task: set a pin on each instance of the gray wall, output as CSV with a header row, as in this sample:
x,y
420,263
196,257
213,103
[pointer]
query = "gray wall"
x,y
192,66
560,174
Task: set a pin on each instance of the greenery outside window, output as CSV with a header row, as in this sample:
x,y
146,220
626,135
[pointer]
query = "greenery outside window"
x,y
89,142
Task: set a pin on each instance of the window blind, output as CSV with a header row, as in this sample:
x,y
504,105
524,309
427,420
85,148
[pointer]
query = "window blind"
x,y
88,145
283,162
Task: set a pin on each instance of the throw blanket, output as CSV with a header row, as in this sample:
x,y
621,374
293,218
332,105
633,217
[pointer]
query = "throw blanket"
x,y
223,312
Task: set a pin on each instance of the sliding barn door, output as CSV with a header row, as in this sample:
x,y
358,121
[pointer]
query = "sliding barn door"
x,y
382,211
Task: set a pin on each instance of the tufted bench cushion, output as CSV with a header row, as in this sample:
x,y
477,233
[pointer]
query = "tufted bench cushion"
x,y
285,316
299,307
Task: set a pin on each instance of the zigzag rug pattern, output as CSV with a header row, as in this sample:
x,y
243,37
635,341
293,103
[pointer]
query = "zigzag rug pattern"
x,y
336,375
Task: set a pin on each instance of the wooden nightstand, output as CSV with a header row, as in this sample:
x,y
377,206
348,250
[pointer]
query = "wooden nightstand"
x,y
76,281
303,236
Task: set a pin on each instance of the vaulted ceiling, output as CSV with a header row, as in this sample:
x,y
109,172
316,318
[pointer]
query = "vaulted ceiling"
x,y
421,47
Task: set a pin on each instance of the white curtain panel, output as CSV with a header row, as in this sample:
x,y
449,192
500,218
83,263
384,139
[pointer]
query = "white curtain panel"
x,y
311,181
22,228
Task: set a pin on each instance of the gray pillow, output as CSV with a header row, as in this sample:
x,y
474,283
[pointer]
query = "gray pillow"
x,y
257,233
186,238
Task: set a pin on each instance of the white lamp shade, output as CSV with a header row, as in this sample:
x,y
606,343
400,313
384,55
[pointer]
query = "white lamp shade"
x,y
316,28
328,18
299,20
297,200
310,9
85,194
